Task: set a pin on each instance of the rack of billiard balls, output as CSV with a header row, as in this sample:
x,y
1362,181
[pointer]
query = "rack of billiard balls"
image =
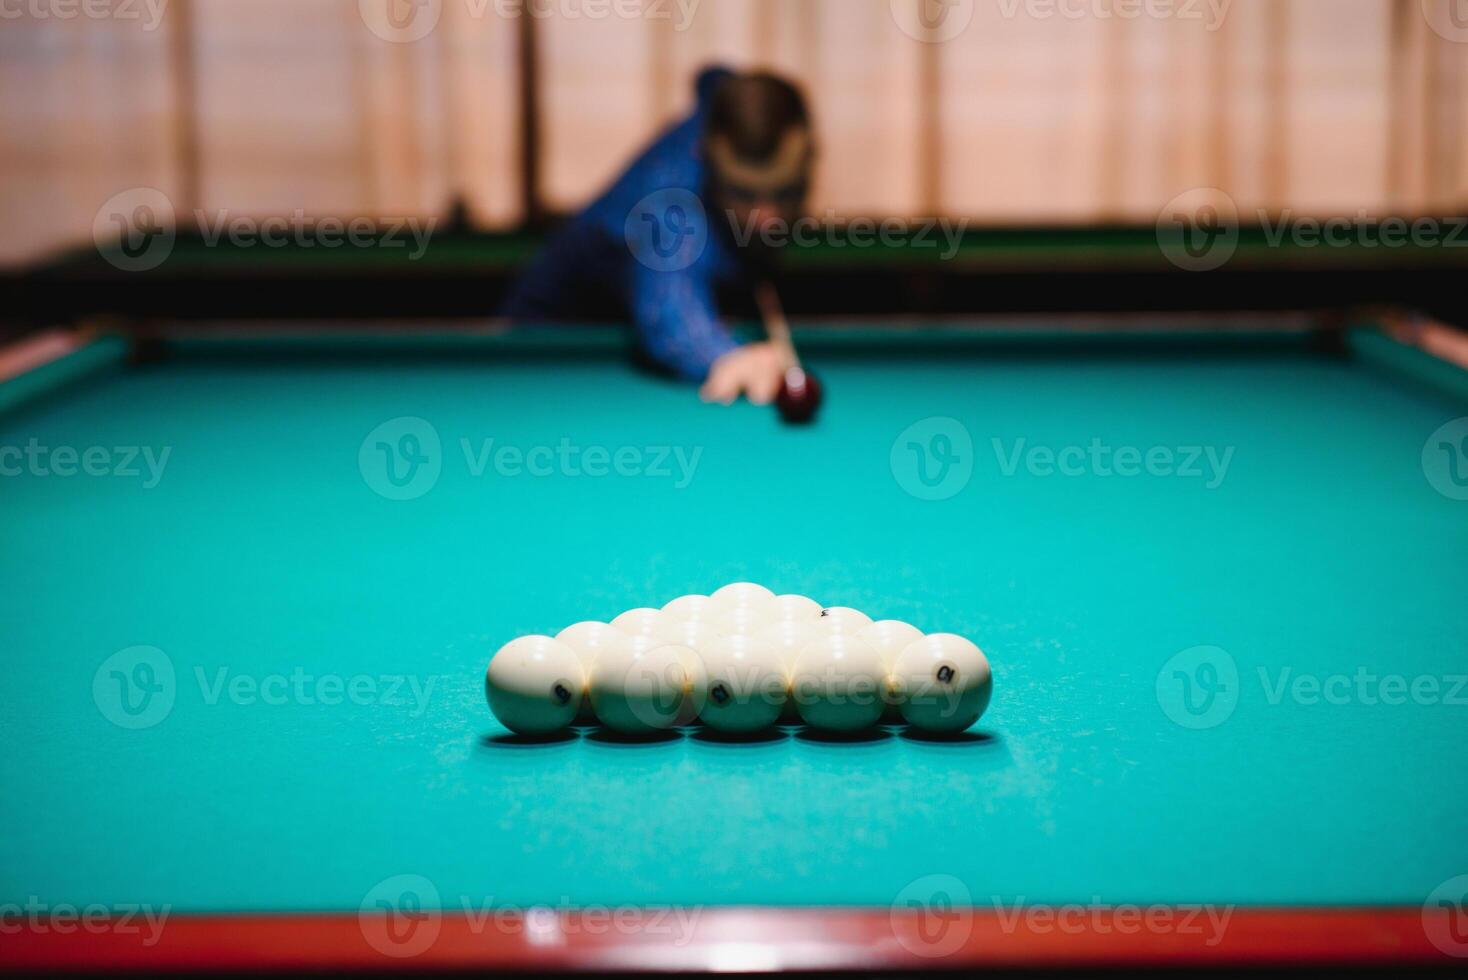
x,y
739,661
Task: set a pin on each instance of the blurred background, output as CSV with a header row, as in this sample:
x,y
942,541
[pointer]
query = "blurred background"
x,y
1037,117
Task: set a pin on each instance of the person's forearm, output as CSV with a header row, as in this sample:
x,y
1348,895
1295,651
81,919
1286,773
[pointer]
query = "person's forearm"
x,y
679,327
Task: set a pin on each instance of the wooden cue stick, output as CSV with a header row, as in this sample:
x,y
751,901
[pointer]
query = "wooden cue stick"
x,y
777,328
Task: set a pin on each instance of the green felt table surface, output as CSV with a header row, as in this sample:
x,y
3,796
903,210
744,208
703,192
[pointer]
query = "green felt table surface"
x,y
326,726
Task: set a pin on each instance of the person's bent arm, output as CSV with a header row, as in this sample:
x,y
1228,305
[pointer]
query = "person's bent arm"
x,y
678,324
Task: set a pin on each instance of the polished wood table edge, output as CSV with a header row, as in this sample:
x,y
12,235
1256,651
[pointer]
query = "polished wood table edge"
x,y
1431,336
691,939
35,351
1264,321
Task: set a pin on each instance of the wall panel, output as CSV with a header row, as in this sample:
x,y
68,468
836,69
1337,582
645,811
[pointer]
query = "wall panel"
x,y
1034,112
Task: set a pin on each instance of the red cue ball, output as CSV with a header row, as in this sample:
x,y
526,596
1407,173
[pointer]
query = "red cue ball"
x,y
800,397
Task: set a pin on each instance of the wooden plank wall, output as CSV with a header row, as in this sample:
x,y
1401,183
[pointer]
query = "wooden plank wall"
x,y
1050,111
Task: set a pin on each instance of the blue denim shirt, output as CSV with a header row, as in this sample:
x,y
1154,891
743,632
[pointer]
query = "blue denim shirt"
x,y
647,251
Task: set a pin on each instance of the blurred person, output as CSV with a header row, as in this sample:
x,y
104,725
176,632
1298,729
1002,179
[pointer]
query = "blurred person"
x,y
746,151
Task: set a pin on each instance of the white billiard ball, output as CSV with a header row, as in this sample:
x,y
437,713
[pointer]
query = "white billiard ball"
x,y
638,622
795,607
746,620
787,638
691,633
740,594
746,684
645,686
534,685
742,608
696,637
943,683
695,682
838,683
843,619
890,637
590,638
690,608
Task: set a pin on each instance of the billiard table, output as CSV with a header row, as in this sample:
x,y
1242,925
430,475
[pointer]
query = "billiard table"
x,y
252,581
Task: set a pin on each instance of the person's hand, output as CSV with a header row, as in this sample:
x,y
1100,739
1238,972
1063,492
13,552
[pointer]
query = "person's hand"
x,y
754,370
